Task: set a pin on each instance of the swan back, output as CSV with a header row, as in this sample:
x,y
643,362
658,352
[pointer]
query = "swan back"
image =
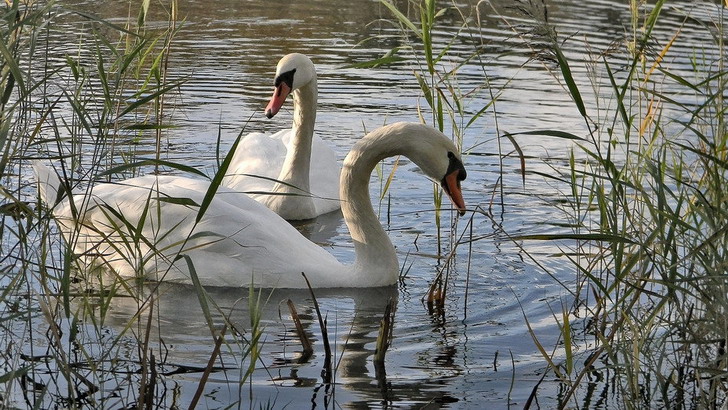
x,y
48,182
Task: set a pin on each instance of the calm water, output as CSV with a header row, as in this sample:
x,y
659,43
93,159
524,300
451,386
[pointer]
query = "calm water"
x,y
478,351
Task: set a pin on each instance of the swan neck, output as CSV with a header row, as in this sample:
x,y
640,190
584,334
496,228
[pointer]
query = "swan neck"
x,y
297,165
376,259
304,110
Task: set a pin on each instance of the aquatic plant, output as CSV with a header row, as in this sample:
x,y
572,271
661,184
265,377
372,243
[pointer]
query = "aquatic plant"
x,y
435,63
643,201
84,113
647,213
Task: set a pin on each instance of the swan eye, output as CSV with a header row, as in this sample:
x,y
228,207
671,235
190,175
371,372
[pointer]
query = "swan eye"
x,y
286,77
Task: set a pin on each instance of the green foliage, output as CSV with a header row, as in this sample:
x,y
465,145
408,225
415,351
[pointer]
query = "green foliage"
x,y
646,203
84,112
443,104
648,212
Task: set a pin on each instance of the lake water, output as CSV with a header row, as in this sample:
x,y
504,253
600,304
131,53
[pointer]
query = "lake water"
x,y
478,352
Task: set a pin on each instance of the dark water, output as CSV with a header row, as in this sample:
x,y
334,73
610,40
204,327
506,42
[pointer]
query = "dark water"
x,y
476,352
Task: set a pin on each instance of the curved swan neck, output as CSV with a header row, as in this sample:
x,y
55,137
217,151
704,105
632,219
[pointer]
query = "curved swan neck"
x,y
376,259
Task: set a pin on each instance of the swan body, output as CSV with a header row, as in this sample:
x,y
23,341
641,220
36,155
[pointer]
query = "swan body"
x,y
240,242
298,167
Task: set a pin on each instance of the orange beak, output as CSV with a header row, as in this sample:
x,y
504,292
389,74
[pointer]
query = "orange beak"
x,y
279,97
451,186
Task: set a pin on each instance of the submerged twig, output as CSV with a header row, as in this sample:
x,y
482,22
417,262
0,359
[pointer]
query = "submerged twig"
x,y
324,334
305,343
384,338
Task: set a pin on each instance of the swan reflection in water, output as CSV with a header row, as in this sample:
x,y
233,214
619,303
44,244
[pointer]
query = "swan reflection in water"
x,y
184,344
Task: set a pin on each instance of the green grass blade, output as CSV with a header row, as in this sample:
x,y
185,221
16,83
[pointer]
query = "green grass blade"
x,y
566,333
389,179
402,18
12,64
426,91
576,236
569,79
148,162
389,58
620,95
550,133
202,295
217,179
480,113
521,156
149,97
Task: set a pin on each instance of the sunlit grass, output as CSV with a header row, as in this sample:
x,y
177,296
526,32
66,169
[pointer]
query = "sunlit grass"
x,y
644,189
84,116
646,204
444,105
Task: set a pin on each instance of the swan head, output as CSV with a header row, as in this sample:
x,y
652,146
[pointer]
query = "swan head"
x,y
439,159
434,153
294,71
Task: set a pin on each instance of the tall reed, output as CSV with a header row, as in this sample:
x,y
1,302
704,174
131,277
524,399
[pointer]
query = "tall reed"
x,y
85,115
444,104
646,203
648,211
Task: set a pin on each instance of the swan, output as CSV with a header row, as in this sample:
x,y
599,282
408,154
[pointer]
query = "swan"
x,y
239,242
304,165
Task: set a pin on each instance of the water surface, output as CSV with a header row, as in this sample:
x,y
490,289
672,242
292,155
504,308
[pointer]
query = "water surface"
x,y
478,350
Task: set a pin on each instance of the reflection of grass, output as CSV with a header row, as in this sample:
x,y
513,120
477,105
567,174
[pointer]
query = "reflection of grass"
x,y
645,201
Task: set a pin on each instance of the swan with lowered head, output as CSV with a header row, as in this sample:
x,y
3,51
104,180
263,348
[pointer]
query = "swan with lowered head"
x,y
239,242
304,166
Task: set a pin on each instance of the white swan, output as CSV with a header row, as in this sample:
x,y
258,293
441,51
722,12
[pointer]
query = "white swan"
x,y
305,166
240,242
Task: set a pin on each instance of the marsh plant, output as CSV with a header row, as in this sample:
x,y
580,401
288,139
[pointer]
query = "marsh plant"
x,y
642,194
645,201
84,114
436,58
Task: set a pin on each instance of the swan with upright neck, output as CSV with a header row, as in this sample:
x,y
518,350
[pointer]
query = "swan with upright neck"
x,y
238,241
297,167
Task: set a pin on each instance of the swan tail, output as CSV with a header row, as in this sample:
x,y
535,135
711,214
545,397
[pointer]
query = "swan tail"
x,y
48,182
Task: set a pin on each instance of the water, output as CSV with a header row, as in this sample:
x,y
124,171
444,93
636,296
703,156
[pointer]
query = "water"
x,y
478,351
